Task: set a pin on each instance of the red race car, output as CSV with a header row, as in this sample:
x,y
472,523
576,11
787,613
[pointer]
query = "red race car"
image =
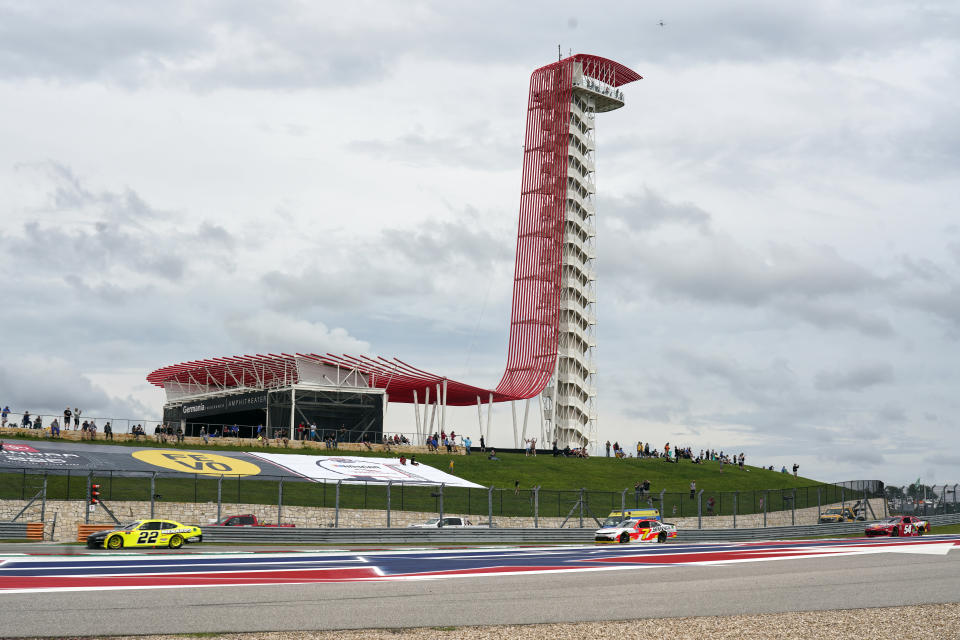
x,y
898,526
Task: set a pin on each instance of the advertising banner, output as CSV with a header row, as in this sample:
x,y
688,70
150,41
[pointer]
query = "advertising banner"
x,y
357,470
225,404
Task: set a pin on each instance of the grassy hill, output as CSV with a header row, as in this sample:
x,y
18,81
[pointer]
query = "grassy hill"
x,y
560,480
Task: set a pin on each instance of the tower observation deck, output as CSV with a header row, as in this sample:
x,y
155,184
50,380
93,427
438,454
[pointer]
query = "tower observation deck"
x,y
553,318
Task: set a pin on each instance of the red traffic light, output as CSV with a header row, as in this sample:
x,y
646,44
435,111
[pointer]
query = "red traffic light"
x,y
94,493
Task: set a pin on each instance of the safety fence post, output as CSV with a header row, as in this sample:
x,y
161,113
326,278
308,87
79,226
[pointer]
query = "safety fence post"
x,y
43,499
336,507
954,498
793,503
153,491
699,509
389,484
766,500
280,501
662,491
536,507
924,500
490,506
220,496
843,500
943,496
581,506
441,504
818,504
86,507
734,509
623,502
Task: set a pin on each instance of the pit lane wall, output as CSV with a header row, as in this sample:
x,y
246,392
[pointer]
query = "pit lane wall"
x,y
62,517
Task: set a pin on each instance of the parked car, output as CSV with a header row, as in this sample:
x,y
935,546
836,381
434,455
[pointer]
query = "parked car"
x,y
146,533
616,517
898,526
841,514
449,522
636,529
245,520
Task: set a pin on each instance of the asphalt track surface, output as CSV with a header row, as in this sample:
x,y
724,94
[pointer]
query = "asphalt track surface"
x,y
109,594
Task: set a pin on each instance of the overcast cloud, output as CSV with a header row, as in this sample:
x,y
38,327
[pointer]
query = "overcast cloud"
x,y
778,251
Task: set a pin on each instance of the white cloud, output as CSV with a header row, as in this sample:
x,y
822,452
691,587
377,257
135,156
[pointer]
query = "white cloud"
x,y
272,332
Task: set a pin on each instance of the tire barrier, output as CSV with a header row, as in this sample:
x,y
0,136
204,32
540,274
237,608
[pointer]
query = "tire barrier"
x,y
480,535
21,530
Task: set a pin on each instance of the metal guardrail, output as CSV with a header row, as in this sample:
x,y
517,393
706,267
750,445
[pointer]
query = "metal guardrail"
x,y
283,535
13,530
278,535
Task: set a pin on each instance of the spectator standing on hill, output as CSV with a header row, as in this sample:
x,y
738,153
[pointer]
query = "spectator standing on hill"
x,y
796,468
26,420
556,452
92,430
66,417
639,449
533,447
483,445
710,504
467,443
54,428
108,431
76,418
608,448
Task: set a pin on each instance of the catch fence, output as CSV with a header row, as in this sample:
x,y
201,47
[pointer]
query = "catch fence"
x,y
576,508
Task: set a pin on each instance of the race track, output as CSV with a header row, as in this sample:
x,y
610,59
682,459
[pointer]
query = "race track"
x,y
106,594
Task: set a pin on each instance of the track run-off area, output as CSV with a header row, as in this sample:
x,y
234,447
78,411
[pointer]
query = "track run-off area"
x,y
226,590
105,570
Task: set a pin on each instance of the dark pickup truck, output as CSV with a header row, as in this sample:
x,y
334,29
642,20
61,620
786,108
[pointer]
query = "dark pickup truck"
x,y
245,520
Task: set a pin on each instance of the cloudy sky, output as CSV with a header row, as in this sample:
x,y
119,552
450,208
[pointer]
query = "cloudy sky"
x,y
778,246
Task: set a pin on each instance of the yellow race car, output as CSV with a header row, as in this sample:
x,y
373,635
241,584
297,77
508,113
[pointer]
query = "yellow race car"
x,y
837,514
146,533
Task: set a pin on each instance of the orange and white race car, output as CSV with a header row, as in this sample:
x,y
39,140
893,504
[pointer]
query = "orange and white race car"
x,y
636,529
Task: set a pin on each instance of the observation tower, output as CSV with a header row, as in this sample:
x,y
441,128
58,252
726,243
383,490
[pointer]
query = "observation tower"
x,y
569,399
553,318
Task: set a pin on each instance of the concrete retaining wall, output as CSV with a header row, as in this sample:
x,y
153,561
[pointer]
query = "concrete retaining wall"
x,y
70,514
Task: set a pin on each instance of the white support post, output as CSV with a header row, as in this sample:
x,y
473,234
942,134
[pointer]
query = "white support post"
x,y
489,417
479,416
433,416
443,410
416,415
513,412
426,410
293,412
526,412
543,426
439,408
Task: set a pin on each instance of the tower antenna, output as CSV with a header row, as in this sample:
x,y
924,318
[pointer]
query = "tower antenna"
x,y
559,55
